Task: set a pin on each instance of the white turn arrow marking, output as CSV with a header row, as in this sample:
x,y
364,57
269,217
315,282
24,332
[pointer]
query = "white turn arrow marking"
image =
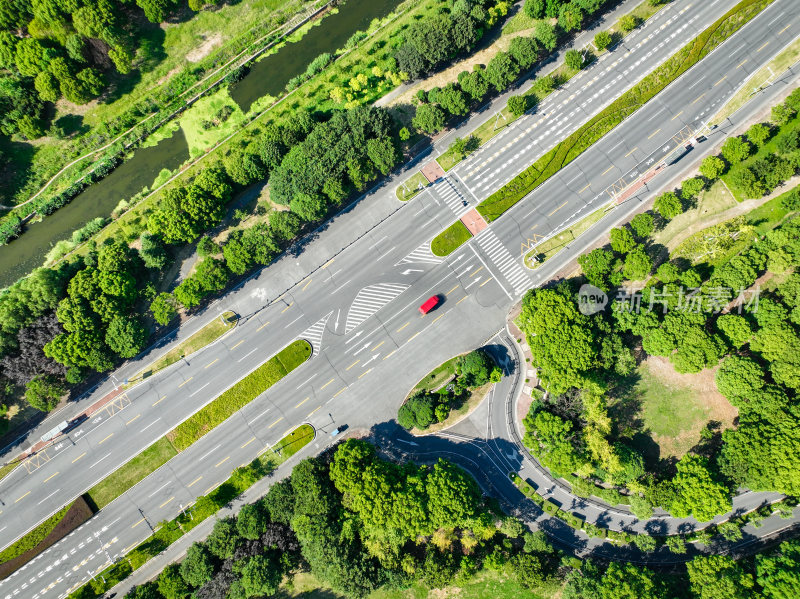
x,y
409,442
366,345
410,270
354,337
375,357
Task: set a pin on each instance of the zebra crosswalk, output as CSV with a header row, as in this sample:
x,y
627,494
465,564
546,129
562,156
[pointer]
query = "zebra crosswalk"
x,y
422,254
447,192
313,334
505,262
369,300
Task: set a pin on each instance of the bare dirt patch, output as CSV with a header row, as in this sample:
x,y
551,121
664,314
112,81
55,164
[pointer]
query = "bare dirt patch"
x,y
210,41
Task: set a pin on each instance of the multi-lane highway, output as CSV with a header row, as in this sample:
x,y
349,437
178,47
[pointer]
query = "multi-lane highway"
x,y
355,301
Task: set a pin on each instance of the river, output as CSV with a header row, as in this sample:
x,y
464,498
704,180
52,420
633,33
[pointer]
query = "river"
x,y
267,77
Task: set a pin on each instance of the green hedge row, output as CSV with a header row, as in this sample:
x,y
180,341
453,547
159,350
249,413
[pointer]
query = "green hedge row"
x,y
34,537
569,149
450,239
240,394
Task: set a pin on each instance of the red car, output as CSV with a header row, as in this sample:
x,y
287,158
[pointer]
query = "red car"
x,y
429,304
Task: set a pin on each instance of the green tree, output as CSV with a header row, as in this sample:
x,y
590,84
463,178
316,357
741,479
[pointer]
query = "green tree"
x,y
429,118
534,9
171,585
668,205
676,544
622,240
252,521
47,86
736,329
501,71
718,577
43,392
735,150
31,57
778,572
152,251
126,336
574,59
148,590
474,83
628,23
243,167
691,188
642,224
224,538
602,40
712,167
739,376
758,134
452,99
164,308
260,577
155,10
637,264
197,567
597,266
543,85
517,105
570,17
697,491
782,114
546,35
475,368
524,51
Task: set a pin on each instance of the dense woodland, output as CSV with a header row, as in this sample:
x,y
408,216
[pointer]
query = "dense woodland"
x,y
359,522
702,315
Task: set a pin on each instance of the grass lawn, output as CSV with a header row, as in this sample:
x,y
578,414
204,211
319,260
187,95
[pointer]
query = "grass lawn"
x,y
450,239
437,377
550,247
483,585
208,334
201,139
125,477
668,409
411,186
774,68
476,396
710,202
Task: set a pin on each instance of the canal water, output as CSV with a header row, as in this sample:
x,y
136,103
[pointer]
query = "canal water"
x,y
267,77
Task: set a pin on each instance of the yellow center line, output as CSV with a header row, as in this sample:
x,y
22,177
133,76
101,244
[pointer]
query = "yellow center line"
x,y
438,317
222,462
452,290
23,497
377,346
211,364
51,476
134,418
474,272
462,299
724,77
238,344
677,115
560,207
194,481
211,488
340,391
106,439
581,191
287,307
302,402
328,263
762,47
365,373
413,336
632,151
654,133
248,443
311,413
138,522
167,501
390,354
328,383
162,398
79,457
124,551
784,29
184,382
276,422
353,364
262,326
741,63
608,169
486,281
700,97
404,326
306,285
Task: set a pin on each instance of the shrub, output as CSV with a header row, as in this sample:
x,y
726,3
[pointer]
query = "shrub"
x,y
602,40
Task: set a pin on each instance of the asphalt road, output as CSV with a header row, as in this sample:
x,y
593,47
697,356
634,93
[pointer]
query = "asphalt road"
x,y
358,308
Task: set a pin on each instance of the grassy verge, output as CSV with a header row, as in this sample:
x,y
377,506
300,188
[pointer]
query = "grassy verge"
x,y
624,106
206,506
450,239
437,377
757,80
125,477
205,336
240,394
550,247
476,396
411,186
34,537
